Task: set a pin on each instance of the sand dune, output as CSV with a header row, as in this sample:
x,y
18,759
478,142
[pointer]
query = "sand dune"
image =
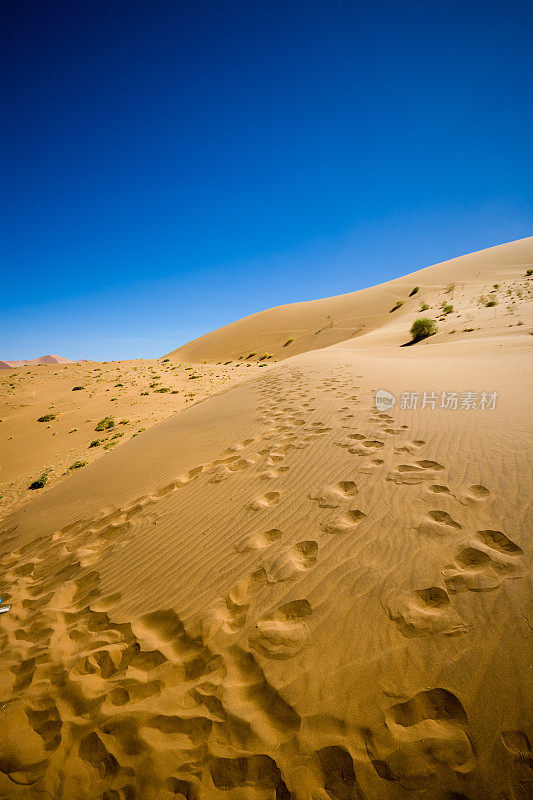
x,y
288,330
39,360
285,591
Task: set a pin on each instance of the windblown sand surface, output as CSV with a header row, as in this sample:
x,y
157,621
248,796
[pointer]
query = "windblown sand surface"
x,y
283,591
133,394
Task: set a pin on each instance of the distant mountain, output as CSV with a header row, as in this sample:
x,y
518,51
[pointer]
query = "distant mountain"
x,y
34,361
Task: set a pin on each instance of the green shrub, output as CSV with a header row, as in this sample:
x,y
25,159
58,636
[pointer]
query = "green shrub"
x,y
529,272
251,355
424,307
77,465
105,424
447,308
95,443
414,291
491,303
165,360
164,389
399,304
289,341
40,482
422,328
495,285
46,418
77,388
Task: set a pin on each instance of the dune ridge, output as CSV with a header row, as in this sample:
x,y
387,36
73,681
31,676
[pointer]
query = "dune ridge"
x,y
284,591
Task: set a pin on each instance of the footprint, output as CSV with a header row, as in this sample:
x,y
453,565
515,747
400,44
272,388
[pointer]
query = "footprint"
x,y
424,612
483,567
477,492
424,743
419,472
344,523
268,500
283,633
297,559
438,523
258,541
334,495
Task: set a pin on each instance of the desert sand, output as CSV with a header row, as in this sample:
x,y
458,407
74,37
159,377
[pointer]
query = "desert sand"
x,y
282,590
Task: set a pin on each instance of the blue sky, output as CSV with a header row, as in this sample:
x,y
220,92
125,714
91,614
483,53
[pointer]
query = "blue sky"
x,y
168,167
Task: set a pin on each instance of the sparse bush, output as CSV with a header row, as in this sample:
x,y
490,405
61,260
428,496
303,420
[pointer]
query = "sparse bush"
x,y
495,285
424,307
399,304
77,465
491,303
105,424
447,308
124,422
265,356
251,355
95,443
529,272
422,328
165,360
414,291
77,388
40,482
450,288
287,343
46,418
162,390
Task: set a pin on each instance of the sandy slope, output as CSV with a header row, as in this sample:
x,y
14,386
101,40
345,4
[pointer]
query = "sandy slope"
x,y
285,592
135,394
299,327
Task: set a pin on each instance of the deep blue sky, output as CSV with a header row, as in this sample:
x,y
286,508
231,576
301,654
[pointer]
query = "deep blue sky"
x,y
168,167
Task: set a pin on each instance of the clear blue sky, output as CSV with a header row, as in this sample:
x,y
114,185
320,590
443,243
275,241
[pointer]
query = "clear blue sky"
x,y
168,167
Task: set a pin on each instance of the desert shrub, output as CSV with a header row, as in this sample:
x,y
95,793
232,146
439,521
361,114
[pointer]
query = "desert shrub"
x,y
162,390
491,303
77,388
422,328
289,341
105,424
414,291
251,355
165,360
450,288
399,304
40,482
77,465
424,307
95,443
495,285
529,272
447,308
124,422
46,418
265,356
143,393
